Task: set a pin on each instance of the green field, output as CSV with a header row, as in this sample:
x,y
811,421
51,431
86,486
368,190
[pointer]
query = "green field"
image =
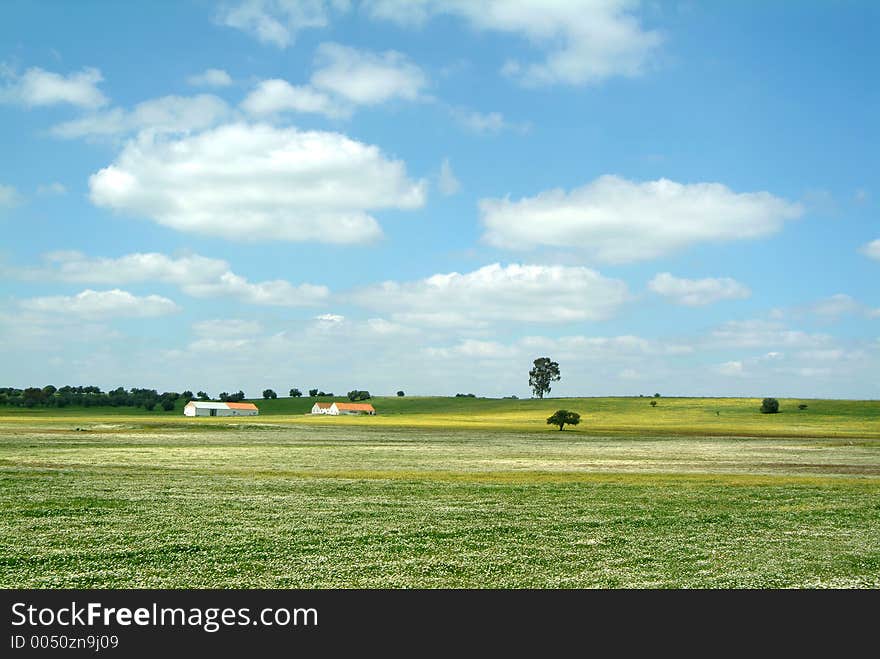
x,y
445,493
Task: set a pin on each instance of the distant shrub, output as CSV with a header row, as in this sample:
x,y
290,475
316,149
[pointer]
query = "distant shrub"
x,y
295,393
268,393
401,394
357,394
802,406
769,406
167,404
653,403
656,395
465,396
313,393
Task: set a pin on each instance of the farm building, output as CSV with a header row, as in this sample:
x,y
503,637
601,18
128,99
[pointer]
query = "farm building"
x,y
210,408
321,408
351,408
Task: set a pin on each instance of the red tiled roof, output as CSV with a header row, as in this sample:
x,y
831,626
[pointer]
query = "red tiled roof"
x,y
241,406
355,407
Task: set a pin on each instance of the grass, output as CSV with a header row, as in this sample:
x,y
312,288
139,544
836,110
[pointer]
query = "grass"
x,y
599,416
289,501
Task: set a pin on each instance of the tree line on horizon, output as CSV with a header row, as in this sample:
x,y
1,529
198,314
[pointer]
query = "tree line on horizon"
x,y
92,396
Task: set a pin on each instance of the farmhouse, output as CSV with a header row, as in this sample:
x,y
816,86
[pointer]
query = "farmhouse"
x,y
351,408
321,408
210,408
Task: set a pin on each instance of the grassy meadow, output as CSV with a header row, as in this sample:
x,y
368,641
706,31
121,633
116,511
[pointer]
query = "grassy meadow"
x,y
440,492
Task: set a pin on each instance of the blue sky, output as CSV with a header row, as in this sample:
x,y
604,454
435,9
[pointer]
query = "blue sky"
x,y
427,195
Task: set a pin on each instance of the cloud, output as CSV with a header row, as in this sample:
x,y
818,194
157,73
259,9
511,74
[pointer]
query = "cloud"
x,y
523,293
227,328
764,334
38,88
474,349
276,22
195,275
447,182
583,41
52,189
344,79
872,249
103,304
279,293
366,78
330,318
9,196
210,78
168,114
490,123
731,368
252,183
274,96
697,292
841,304
618,221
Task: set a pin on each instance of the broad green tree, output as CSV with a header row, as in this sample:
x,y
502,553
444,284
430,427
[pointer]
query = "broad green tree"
x,y
562,417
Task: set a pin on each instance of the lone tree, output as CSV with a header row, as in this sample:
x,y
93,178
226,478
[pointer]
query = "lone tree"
x,y
295,393
401,393
313,393
542,374
561,417
769,406
268,393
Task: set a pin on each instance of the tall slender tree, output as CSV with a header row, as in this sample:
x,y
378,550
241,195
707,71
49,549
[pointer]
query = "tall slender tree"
x,y
542,374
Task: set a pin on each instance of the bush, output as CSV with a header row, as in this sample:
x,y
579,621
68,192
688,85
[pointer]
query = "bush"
x,y
802,406
401,394
769,406
653,403
656,395
167,404
465,396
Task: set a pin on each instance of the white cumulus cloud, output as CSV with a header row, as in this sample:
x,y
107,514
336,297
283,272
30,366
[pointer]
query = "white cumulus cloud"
x,y
273,96
277,22
210,78
227,328
872,249
524,293
102,304
446,181
9,196
764,333
168,114
195,275
366,78
617,221
697,292
583,41
731,368
255,183
344,78
37,87
485,123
